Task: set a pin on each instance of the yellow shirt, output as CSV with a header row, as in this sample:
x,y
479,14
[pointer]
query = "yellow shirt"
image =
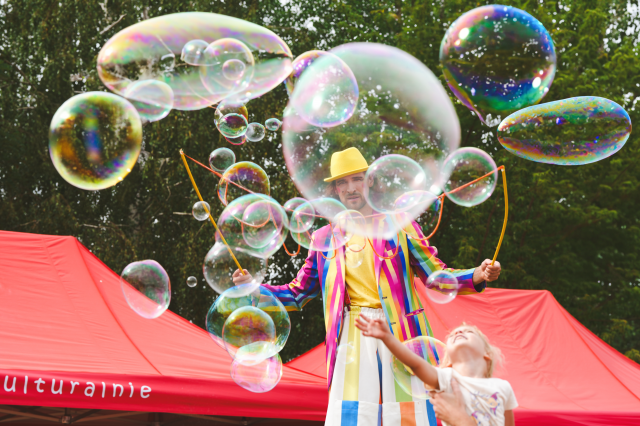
x,y
361,281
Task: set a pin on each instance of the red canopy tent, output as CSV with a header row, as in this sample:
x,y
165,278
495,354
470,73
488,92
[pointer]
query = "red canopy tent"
x,y
562,373
68,339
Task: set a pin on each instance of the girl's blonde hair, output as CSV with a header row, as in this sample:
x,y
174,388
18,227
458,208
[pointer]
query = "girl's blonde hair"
x,y
495,354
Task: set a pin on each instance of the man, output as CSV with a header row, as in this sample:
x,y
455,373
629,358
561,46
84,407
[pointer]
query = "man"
x,y
362,390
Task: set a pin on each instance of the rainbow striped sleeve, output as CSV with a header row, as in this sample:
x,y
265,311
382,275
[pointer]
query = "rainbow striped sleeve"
x,y
302,289
424,261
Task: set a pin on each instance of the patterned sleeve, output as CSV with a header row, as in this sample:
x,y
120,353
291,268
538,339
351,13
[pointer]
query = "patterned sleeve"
x,y
424,261
302,289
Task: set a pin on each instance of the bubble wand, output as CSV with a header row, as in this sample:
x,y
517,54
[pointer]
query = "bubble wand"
x,y
193,182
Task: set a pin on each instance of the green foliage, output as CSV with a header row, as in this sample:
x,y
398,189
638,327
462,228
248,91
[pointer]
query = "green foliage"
x,y
572,230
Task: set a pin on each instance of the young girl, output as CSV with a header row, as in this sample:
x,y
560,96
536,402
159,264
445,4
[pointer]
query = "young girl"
x,y
469,360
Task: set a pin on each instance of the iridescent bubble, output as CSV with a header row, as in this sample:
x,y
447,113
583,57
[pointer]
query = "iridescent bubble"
x,y
391,177
272,124
240,179
95,139
233,69
498,59
242,296
228,107
300,64
258,378
221,159
228,302
262,221
153,99
346,224
428,348
572,131
148,51
442,287
249,326
255,132
230,225
302,238
232,125
329,209
193,52
411,205
219,266
464,166
302,214
192,281
326,93
201,210
146,288
402,109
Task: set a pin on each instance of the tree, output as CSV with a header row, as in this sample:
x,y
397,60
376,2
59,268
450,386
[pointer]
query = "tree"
x,y
572,230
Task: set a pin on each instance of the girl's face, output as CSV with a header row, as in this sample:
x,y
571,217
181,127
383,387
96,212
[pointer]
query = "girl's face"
x,y
465,338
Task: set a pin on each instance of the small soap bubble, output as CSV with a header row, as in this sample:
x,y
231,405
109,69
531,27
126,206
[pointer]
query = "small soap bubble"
x,y
429,349
240,179
272,124
146,288
354,255
262,221
573,131
346,353
255,132
221,159
464,166
393,176
192,281
95,139
442,287
193,52
302,213
249,325
233,69
152,98
498,59
232,125
201,210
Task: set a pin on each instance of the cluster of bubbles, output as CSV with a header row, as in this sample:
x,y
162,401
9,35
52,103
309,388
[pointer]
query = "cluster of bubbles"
x,y
251,324
183,61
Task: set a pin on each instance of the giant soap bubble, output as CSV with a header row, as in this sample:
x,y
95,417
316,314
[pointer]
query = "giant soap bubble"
x,y
300,64
152,49
95,139
402,109
428,348
498,59
146,288
572,131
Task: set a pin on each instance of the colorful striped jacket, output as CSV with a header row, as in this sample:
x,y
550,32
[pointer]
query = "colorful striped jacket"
x,y
326,272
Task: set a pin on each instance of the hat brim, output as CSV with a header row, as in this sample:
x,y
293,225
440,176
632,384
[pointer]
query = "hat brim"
x,y
341,175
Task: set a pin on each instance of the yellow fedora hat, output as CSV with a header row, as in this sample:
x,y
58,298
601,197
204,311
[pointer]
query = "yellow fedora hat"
x,y
345,163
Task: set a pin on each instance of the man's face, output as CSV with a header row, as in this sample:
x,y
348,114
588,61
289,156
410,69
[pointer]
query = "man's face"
x,y
351,189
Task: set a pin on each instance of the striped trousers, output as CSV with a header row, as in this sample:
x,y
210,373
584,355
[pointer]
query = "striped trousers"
x,y
363,390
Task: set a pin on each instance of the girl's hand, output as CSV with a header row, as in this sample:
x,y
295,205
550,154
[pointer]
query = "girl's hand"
x,y
239,279
375,328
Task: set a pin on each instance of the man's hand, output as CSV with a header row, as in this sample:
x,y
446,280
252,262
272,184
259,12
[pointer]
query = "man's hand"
x,y
375,328
239,279
486,272
449,407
